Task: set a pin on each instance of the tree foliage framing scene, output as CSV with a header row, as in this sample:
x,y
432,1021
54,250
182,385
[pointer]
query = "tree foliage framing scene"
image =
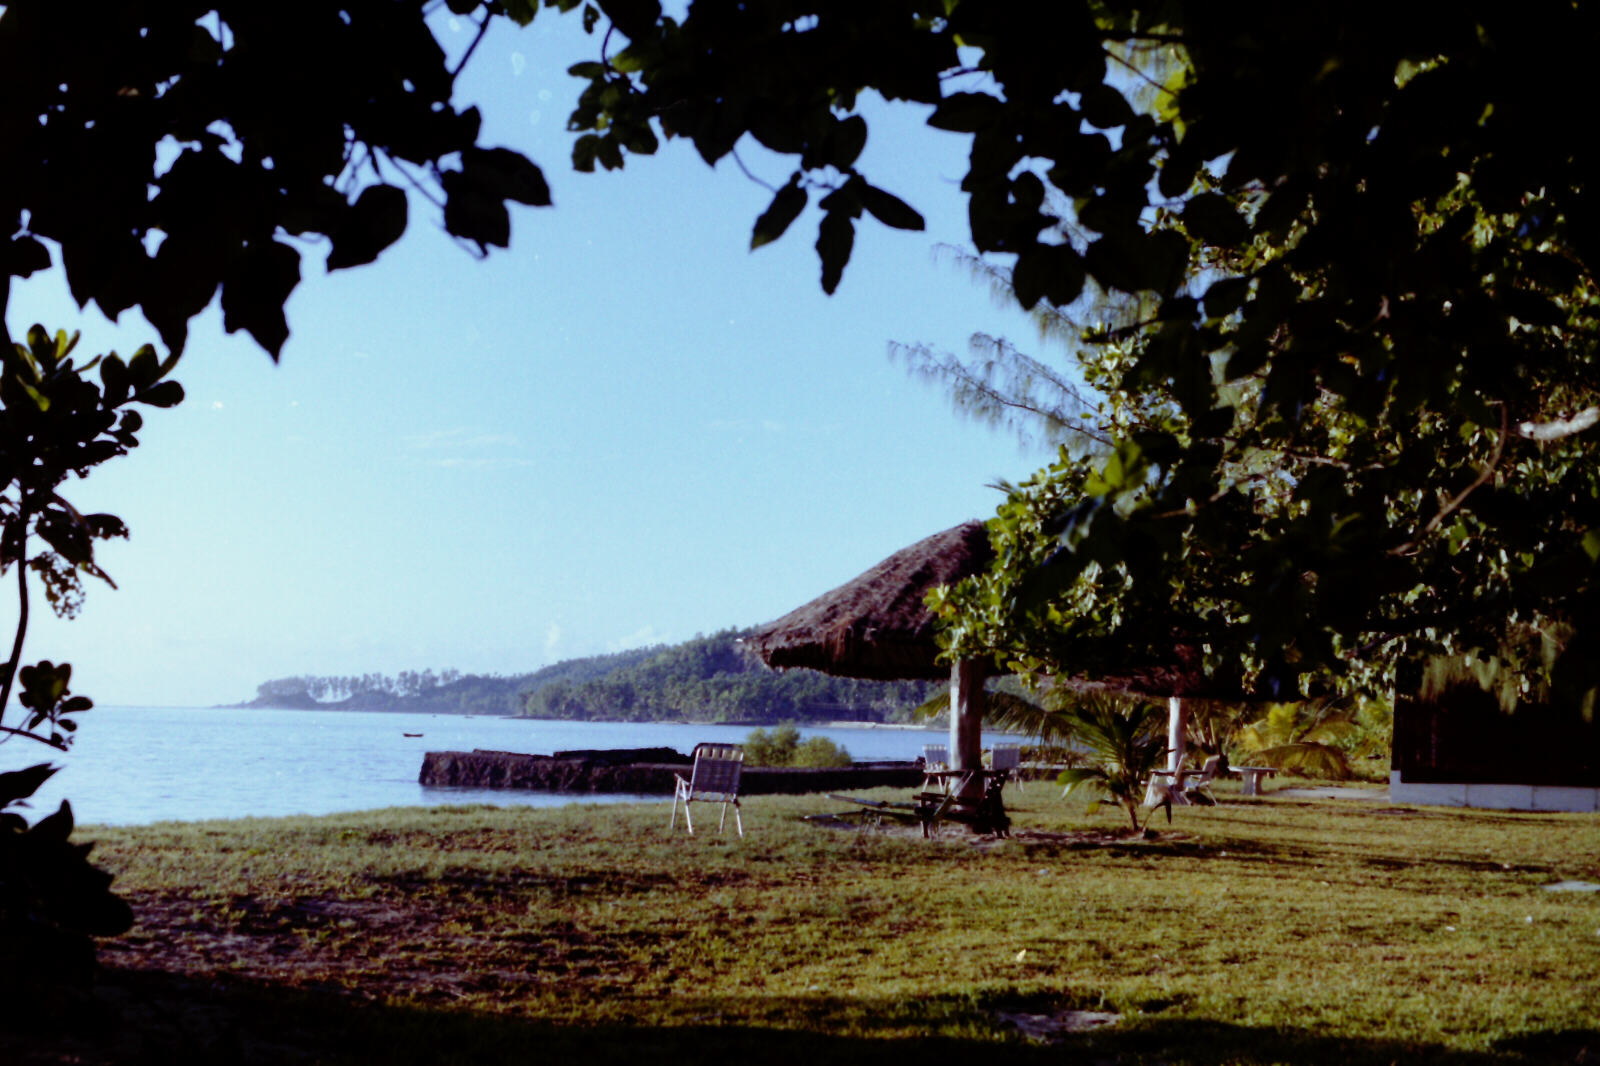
x,y
1322,277
1329,269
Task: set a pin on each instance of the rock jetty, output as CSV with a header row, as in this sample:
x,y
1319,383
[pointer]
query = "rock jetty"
x,y
643,771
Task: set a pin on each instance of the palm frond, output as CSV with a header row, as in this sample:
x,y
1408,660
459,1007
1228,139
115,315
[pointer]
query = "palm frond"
x,y
1308,758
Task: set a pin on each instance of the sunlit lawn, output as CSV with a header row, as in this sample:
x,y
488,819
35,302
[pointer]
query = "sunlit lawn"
x,y
1257,931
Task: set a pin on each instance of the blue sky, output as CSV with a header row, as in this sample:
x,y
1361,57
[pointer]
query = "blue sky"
x,y
627,429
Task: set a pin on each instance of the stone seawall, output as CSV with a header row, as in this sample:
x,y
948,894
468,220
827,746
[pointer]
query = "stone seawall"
x,y
643,771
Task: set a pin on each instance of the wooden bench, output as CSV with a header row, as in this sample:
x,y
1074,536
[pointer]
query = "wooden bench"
x,y
986,813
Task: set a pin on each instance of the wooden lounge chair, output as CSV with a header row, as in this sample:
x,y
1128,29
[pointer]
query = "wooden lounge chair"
x,y
1196,786
1182,789
935,757
714,779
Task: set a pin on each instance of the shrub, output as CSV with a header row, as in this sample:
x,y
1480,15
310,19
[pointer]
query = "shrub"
x,y
783,747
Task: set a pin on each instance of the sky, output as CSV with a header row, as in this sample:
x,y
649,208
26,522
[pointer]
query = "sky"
x,y
627,429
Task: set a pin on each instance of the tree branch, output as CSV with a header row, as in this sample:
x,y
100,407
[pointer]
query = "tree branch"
x,y
1461,497
15,662
1557,428
740,164
483,30
7,732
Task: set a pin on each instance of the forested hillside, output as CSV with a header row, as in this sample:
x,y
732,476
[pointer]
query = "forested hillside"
x,y
714,679
708,679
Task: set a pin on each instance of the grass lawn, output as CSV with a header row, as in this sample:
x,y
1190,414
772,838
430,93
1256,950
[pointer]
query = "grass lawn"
x,y
1262,930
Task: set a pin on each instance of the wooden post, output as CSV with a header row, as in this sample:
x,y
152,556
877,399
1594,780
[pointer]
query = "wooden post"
x,y
1177,732
966,719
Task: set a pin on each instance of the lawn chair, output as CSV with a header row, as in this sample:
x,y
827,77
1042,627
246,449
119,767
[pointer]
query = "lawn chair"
x,y
1198,787
1008,757
935,757
714,779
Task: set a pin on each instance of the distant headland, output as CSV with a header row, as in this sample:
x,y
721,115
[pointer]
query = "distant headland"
x,y
707,679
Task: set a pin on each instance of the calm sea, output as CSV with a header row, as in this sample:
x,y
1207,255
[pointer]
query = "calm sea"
x,y
136,765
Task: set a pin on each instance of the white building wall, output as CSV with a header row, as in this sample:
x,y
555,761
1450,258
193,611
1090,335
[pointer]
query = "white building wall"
x,y
1507,797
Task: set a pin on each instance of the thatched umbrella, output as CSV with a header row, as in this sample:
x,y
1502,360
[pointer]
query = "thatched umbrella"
x,y
876,626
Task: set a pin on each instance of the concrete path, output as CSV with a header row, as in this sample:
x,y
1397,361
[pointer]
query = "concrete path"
x,y
1344,792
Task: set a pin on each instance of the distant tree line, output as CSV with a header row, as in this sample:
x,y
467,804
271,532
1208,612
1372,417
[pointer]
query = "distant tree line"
x,y
707,679
322,689
445,692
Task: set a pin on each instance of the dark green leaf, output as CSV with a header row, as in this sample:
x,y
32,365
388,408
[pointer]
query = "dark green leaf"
x,y
835,238
890,209
635,18
610,152
375,221
845,142
846,199
25,255
641,139
20,784
584,152
784,209
254,292
508,175
965,112
1210,217
114,379
55,828
1048,270
521,11
163,394
1226,296
1106,108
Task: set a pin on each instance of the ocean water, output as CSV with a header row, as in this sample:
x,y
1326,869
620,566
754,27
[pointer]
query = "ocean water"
x,y
138,765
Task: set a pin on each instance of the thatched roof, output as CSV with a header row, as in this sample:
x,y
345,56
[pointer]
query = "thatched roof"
x,y
876,626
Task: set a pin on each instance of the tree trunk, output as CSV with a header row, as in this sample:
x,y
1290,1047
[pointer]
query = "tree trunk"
x,y
1177,733
966,721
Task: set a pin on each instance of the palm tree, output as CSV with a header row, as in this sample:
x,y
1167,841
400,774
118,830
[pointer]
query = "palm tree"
x,y
1125,739
1126,743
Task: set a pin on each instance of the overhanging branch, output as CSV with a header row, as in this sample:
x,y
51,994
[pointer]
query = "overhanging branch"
x,y
1557,428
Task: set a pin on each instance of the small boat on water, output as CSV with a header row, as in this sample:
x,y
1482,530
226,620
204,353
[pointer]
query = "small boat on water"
x,y
411,734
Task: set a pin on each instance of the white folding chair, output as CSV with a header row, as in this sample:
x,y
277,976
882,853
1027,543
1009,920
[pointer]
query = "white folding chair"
x,y
714,779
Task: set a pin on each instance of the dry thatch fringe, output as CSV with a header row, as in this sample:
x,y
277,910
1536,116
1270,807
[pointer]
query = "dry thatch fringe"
x,y
877,625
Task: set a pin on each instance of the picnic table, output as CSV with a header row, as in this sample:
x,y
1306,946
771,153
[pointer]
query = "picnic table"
x,y
943,799
970,796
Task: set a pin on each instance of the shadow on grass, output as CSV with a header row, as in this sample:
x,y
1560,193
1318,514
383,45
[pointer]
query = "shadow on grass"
x,y
151,1017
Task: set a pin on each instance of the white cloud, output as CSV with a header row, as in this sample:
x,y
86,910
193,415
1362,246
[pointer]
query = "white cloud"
x,y
461,439
216,405
640,637
552,639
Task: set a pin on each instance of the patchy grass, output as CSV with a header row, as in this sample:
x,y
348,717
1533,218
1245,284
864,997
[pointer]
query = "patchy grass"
x,y
1262,930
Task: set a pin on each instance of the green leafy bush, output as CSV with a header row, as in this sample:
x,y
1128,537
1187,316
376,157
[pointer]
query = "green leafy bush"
x,y
783,747
52,901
